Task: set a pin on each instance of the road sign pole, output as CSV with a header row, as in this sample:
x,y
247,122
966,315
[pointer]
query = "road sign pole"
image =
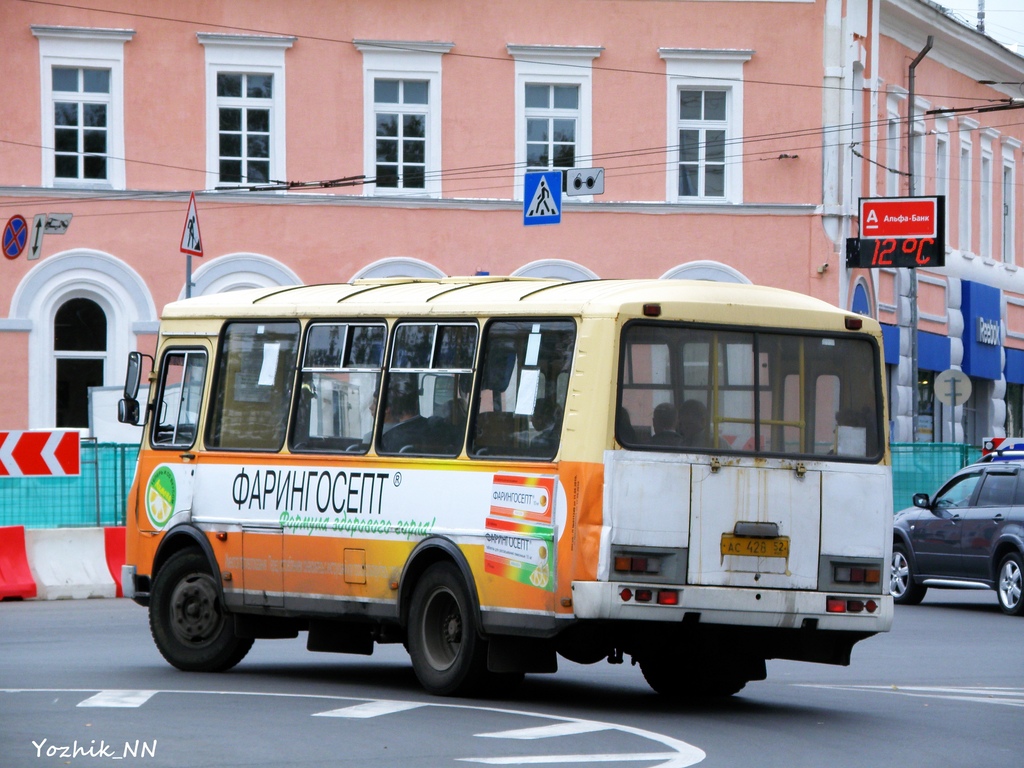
x,y
188,275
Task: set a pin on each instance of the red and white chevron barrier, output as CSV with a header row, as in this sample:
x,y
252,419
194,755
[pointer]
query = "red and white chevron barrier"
x,y
40,453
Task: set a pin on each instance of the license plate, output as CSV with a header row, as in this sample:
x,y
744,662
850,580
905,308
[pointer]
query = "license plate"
x,y
748,546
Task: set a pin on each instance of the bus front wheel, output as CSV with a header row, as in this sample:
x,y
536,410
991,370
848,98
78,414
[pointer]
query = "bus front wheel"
x,y
187,618
448,654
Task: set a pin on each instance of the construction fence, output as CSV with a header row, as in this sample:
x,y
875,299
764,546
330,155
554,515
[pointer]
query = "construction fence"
x,y
97,497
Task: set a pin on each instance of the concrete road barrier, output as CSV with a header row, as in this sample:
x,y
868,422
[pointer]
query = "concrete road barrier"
x,y
70,563
16,579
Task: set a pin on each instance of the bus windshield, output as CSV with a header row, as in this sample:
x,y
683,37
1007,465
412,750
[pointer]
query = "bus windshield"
x,y
706,389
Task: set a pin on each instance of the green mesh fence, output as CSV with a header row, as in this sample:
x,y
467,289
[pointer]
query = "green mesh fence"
x,y
923,467
95,498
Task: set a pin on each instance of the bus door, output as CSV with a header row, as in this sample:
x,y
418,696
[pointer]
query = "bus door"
x,y
238,475
754,525
168,471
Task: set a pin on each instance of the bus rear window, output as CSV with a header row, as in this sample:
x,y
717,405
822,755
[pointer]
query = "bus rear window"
x,y
253,388
685,388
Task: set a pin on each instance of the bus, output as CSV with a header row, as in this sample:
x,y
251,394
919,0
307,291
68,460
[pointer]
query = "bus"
x,y
498,472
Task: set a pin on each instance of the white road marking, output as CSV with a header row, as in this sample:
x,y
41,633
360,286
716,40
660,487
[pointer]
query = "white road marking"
x,y
1012,697
555,759
682,754
372,709
118,698
547,731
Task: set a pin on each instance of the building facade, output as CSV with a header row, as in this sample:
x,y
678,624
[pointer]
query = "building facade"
x,y
329,141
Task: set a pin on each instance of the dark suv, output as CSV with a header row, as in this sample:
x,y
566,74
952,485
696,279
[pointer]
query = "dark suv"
x,y
970,535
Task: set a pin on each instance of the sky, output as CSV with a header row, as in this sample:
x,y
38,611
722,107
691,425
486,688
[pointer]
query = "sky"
x,y
1004,19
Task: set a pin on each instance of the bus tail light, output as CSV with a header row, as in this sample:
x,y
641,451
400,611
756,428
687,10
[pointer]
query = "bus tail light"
x,y
856,574
644,595
628,564
845,605
668,597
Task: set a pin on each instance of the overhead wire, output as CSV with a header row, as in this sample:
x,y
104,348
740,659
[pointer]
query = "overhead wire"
x,y
498,171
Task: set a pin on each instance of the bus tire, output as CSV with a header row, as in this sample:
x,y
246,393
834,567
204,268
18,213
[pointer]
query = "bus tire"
x,y
187,617
694,682
902,585
448,654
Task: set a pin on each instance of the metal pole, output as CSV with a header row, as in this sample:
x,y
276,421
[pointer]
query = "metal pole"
x,y
188,275
912,293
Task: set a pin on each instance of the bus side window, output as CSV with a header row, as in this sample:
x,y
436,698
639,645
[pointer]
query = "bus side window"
x,y
424,409
338,384
522,389
181,392
252,392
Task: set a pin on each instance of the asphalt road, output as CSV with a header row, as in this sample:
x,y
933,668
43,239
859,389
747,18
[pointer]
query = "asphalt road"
x,y
81,683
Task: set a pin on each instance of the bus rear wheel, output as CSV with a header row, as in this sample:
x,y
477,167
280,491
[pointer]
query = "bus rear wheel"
x,y
187,618
692,682
448,654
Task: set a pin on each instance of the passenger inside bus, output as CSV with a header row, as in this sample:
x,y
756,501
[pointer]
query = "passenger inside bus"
x,y
665,421
404,428
693,424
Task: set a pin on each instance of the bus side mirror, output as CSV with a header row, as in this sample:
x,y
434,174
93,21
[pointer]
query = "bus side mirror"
x,y
128,407
133,375
128,412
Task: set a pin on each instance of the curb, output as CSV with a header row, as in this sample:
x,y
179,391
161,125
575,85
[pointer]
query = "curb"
x,y
60,563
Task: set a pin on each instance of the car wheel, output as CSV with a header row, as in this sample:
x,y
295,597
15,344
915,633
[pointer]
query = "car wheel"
x,y
1010,583
902,586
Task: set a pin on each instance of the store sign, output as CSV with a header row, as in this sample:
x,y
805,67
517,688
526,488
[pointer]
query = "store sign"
x,y
899,232
988,332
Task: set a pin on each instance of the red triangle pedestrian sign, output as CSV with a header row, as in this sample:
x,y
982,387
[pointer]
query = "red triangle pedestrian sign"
x,y
191,242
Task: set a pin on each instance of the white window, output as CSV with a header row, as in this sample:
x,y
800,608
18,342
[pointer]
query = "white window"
x,y
245,108
1009,228
553,106
942,164
705,124
402,118
552,118
82,88
917,139
966,191
897,96
987,192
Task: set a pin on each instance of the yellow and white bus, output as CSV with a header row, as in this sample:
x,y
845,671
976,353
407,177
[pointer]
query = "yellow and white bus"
x,y
499,471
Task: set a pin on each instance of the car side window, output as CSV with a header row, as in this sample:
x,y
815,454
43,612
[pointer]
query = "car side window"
x,y
959,492
997,489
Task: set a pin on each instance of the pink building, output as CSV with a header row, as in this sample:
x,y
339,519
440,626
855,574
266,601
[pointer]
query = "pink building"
x,y
735,139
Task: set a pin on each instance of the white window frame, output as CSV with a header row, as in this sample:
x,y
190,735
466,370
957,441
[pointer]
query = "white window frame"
x,y
403,60
966,191
83,48
554,65
942,158
245,54
706,69
893,140
1009,200
987,193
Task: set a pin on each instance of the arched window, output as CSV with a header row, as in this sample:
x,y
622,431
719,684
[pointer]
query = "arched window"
x,y
80,354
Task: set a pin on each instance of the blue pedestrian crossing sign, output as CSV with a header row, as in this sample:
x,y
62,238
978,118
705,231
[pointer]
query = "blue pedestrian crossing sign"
x,y
542,198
